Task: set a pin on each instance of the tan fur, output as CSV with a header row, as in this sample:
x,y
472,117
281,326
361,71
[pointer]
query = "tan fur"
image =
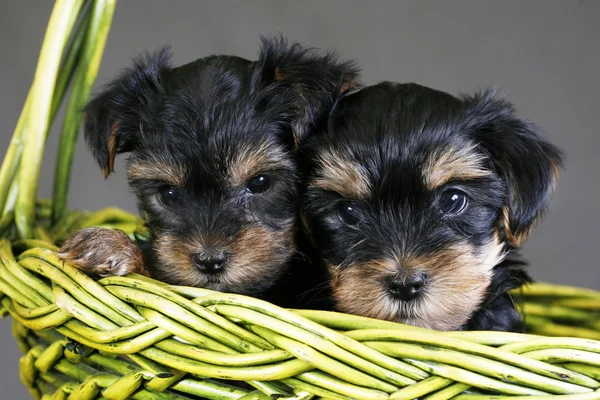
x,y
278,75
555,174
254,254
348,84
338,173
157,170
251,160
516,238
113,143
260,253
453,163
457,281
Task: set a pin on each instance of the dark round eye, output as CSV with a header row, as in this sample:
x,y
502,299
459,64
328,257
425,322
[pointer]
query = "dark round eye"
x,y
348,212
453,202
259,184
169,195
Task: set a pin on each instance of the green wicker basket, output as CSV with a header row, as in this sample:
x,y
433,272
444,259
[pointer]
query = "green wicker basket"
x,y
133,337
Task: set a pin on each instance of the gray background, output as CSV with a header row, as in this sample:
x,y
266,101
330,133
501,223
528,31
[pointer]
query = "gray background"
x,y
544,55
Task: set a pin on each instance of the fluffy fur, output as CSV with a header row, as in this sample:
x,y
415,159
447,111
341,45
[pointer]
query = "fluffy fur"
x,y
212,147
418,202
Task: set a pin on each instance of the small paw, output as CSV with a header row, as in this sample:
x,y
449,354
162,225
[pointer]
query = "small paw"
x,y
103,252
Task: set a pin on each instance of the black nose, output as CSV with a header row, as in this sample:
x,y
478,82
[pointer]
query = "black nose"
x,y
211,264
407,287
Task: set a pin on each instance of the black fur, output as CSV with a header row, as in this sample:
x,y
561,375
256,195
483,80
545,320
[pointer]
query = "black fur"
x,y
391,131
129,100
200,119
523,160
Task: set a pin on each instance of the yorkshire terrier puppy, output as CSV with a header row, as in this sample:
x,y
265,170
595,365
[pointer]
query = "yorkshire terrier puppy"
x,y
212,161
418,202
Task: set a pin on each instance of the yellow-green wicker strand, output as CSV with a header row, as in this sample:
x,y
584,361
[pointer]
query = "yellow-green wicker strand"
x,y
87,69
62,20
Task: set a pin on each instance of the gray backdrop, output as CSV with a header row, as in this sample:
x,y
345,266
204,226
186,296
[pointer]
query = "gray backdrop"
x,y
544,55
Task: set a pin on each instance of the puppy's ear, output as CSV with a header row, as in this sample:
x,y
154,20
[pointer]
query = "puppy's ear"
x,y
528,164
308,82
116,117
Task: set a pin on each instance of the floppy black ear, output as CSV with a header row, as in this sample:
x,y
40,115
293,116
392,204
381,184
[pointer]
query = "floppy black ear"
x,y
310,81
115,117
528,163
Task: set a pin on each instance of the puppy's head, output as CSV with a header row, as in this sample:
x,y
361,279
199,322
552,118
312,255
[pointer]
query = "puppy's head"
x,y
414,196
211,159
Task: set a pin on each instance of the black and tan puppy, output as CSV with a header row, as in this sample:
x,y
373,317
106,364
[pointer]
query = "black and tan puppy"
x,y
418,202
212,162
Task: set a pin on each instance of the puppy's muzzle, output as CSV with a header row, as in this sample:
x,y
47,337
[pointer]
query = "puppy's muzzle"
x,y
406,286
211,261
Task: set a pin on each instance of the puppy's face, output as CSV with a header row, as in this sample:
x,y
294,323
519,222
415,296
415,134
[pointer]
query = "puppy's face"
x,y
211,159
218,194
414,197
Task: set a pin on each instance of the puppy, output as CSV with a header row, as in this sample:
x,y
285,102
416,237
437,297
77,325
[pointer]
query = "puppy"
x,y
212,147
419,201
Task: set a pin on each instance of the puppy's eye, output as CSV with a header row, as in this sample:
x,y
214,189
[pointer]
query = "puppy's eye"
x,y
348,212
259,184
453,202
169,195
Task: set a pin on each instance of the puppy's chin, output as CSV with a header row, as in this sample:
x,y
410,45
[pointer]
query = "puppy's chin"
x,y
225,282
431,314
443,311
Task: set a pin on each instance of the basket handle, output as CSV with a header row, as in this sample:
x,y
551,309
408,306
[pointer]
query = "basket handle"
x,y
72,49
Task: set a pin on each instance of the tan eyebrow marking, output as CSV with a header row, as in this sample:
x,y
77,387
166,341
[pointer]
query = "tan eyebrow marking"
x,y
454,163
157,171
253,159
339,174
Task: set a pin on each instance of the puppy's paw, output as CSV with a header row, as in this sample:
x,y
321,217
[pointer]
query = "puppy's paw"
x,y
103,252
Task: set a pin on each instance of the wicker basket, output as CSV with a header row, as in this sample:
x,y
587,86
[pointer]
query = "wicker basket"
x,y
133,337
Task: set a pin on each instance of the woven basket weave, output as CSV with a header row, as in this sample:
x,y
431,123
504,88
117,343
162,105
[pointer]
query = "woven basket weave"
x,y
133,337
